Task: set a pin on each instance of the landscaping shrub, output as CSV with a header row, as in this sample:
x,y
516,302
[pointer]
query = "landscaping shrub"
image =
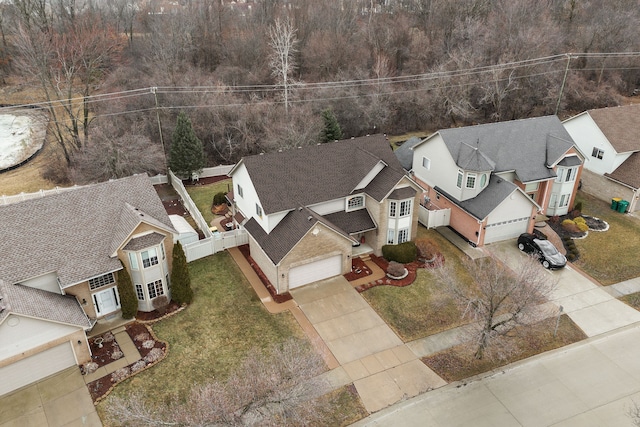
x,y
128,299
570,226
395,269
579,220
554,219
582,226
180,282
578,206
219,199
160,304
403,253
575,214
427,249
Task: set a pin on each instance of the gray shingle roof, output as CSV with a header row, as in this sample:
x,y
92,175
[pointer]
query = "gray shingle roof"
x,y
41,304
352,222
404,153
628,172
526,146
287,233
489,199
621,126
145,241
74,233
310,175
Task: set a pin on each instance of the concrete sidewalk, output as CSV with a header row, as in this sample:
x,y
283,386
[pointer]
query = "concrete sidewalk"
x,y
590,383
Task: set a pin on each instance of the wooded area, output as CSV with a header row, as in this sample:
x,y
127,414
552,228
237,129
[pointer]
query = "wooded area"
x,y
256,76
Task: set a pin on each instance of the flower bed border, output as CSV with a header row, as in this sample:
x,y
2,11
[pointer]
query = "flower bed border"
x,y
412,272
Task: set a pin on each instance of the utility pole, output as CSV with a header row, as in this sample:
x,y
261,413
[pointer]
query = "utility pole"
x,y
564,80
154,91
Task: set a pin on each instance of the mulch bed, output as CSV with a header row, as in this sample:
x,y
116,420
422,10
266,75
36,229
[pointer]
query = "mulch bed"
x,y
359,270
104,349
150,316
278,298
412,269
145,341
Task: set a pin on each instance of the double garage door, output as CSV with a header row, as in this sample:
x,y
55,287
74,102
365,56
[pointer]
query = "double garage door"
x,y
314,271
36,367
505,230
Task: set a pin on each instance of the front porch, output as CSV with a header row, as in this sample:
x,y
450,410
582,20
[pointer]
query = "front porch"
x,y
360,250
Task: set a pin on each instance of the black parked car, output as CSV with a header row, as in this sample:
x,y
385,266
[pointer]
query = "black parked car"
x,y
544,249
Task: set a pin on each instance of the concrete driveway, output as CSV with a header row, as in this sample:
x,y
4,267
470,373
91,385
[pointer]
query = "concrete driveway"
x,y
60,400
371,355
591,307
587,384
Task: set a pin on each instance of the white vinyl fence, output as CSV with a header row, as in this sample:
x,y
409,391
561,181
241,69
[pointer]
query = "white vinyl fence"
x,y
7,200
176,183
216,243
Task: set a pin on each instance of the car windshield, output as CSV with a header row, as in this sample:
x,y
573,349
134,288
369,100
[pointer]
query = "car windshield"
x,y
546,247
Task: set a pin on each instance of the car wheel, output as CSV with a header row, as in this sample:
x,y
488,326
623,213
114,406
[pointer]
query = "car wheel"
x,y
521,246
546,264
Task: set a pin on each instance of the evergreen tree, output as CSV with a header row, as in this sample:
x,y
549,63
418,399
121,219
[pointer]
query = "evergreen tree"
x,y
128,300
181,291
186,155
331,130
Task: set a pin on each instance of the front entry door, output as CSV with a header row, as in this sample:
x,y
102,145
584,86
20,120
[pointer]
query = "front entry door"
x,y
106,301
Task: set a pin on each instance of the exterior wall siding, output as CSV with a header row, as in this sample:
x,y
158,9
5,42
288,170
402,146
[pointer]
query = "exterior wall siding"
x,y
604,189
82,292
264,262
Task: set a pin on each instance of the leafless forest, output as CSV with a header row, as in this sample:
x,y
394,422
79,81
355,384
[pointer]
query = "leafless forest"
x,y
255,76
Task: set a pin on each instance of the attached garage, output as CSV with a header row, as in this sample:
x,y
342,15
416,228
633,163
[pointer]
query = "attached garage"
x,y
506,229
315,271
36,367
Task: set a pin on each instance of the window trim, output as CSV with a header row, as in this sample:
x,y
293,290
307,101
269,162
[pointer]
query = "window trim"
x,y
360,205
151,260
570,176
393,208
259,210
155,289
101,281
139,291
240,191
597,153
405,208
402,235
133,261
483,180
460,179
470,177
426,163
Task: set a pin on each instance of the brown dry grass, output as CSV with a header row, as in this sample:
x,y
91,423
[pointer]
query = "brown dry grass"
x,y
457,363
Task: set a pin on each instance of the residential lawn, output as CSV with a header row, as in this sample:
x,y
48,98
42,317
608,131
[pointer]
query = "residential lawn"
x,y
610,256
420,309
202,196
457,363
211,337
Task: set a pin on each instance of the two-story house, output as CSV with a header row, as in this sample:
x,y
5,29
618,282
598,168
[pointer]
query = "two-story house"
x,y
61,258
610,138
309,210
493,179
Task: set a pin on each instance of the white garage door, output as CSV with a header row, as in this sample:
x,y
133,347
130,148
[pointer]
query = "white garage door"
x,y
314,271
505,230
36,367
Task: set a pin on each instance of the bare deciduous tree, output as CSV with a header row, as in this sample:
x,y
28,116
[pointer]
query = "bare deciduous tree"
x,y
282,39
499,299
277,388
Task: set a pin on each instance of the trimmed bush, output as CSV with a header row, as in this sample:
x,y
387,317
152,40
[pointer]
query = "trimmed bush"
x,y
582,226
128,299
395,269
578,206
219,199
403,253
570,226
579,220
180,282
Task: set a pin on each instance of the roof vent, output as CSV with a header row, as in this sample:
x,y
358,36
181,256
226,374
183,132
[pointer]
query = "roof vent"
x,y
499,181
261,154
309,218
300,208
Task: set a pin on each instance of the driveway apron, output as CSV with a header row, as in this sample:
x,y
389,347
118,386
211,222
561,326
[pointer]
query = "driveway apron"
x,y
381,367
589,305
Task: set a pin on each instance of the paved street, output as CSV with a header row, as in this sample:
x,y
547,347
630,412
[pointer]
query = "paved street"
x,y
590,383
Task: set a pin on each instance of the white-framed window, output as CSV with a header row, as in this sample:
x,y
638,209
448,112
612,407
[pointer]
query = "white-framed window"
x,y
139,292
240,191
426,163
560,174
597,153
149,257
403,235
133,260
355,202
570,175
392,209
532,186
460,178
162,250
405,208
471,180
155,289
564,200
104,280
483,180
391,236
258,210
